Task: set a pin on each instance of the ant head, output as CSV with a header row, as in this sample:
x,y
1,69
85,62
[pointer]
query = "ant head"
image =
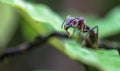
x,y
68,22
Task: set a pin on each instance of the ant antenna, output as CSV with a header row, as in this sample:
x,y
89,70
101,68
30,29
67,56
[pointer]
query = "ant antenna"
x,y
65,21
63,24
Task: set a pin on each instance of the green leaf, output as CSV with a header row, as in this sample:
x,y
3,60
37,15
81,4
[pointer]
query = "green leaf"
x,y
7,24
40,19
104,60
111,21
109,59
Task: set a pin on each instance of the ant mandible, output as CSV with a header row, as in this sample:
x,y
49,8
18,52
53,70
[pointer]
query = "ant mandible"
x,y
78,23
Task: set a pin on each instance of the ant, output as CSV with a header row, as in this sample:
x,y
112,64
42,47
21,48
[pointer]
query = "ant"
x,y
78,23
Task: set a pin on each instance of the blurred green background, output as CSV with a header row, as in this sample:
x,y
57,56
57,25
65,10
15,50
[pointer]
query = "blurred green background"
x,y
47,58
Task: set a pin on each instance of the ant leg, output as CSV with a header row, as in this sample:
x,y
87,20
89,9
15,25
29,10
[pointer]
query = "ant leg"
x,y
63,24
73,33
94,36
81,38
83,42
68,33
92,30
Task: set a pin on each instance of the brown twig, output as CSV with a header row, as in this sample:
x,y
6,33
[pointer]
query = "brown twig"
x,y
24,47
106,44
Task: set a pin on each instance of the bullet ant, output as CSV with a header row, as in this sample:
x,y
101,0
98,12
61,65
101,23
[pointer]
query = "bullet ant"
x,y
78,23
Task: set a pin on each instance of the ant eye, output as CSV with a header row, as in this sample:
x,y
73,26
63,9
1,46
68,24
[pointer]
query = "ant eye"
x,y
74,23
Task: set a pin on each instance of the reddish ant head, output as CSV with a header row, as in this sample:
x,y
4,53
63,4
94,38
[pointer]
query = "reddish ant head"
x,y
67,23
72,22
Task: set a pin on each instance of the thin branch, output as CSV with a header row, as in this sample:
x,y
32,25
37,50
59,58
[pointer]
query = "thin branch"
x,y
106,44
24,47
